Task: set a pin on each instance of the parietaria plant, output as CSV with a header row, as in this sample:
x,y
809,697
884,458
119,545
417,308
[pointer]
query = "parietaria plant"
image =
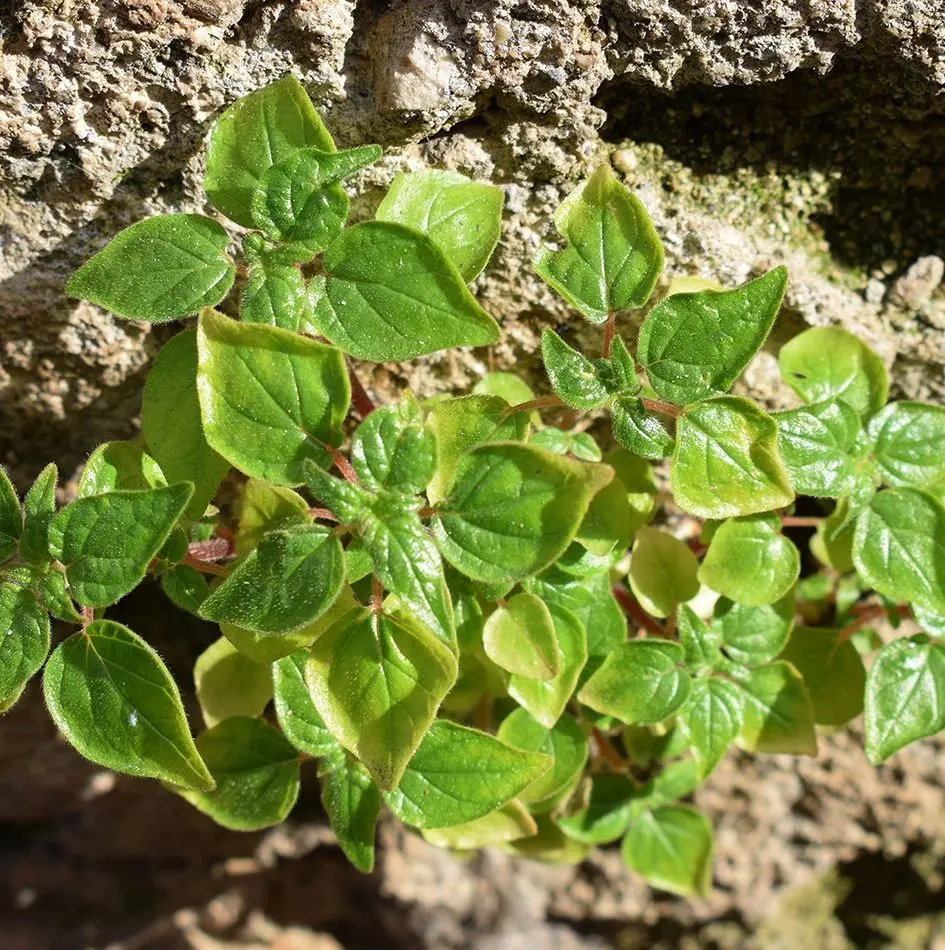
x,y
462,613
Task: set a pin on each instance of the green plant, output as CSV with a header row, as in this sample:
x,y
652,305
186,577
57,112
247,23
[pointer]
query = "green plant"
x,y
434,597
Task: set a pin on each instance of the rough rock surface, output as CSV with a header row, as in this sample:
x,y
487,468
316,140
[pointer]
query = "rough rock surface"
x,y
809,133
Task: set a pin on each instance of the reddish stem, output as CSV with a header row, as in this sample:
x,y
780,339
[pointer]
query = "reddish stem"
x,y
657,405
864,613
631,607
323,513
362,402
542,402
800,521
342,464
377,595
607,752
609,328
206,567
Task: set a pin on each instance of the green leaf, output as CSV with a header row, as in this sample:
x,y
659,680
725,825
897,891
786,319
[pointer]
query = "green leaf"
x,y
833,673
700,641
905,695
229,684
269,398
907,440
463,217
346,500
815,442
641,682
672,782
779,716
671,848
407,563
288,582
106,542
262,508
513,389
547,699
461,424
726,461
161,268
564,742
550,845
392,450
662,571
11,518
256,773
694,346
116,703
443,784
252,135
607,814
274,294
830,363
508,823
377,681
24,641
296,713
712,720
639,431
185,587
39,507
512,509
899,547
754,635
352,802
519,637
573,377
750,561
51,589
171,424
613,255
121,466
391,295
293,200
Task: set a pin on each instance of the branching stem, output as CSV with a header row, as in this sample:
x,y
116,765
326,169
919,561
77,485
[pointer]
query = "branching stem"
x,y
362,402
631,607
800,521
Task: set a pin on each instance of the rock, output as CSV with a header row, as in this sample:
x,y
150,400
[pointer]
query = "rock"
x,y
914,289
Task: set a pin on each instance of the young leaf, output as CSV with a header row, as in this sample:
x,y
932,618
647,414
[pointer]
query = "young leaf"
x,y
899,547
287,583
513,389
549,844
907,440
905,695
407,563
508,823
262,508
392,450
251,136
161,268
275,294
639,431
39,507
564,742
672,782
391,295
377,682
641,682
11,518
461,424
830,363
296,713
185,587
712,720
573,377
116,703
694,346
519,637
119,466
726,461
51,590
463,217
671,849
779,716
546,699
256,773
512,509
754,635
106,542
24,641
443,784
607,814
700,641
815,442
229,684
352,802
269,398
750,561
613,255
662,571
833,673
293,200
346,500
170,421
608,523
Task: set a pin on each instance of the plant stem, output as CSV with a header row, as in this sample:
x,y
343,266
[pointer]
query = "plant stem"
x,y
799,521
342,464
631,607
362,402
863,614
607,751
542,402
657,405
322,513
377,595
206,567
609,328
482,714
